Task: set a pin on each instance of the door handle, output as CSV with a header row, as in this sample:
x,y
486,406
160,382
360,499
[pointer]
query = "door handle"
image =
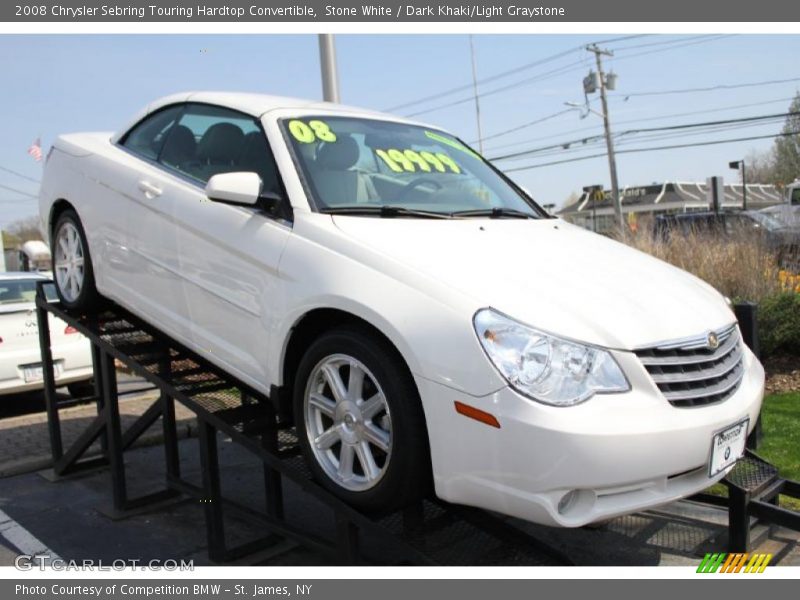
x,y
150,191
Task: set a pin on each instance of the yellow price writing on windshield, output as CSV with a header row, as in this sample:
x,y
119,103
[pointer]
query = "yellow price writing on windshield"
x,y
410,161
312,131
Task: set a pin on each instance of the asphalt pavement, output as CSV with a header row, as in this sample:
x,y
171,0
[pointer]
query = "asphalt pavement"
x,y
24,437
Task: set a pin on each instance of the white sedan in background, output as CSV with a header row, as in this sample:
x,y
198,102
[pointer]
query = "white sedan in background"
x,y
20,359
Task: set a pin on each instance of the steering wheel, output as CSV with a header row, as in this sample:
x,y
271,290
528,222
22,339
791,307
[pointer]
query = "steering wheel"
x,y
415,183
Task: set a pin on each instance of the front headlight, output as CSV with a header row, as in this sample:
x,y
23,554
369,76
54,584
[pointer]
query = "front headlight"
x,y
546,368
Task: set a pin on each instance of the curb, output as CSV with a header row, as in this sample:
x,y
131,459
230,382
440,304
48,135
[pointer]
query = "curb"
x,y
30,464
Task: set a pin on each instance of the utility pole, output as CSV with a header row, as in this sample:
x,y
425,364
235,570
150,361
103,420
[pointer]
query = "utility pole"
x,y
475,92
739,164
612,161
327,63
744,187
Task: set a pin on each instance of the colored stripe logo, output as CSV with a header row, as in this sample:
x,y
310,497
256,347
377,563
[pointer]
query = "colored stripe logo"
x,y
738,562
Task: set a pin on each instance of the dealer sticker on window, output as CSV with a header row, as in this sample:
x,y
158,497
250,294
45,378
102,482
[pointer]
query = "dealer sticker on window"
x,y
727,447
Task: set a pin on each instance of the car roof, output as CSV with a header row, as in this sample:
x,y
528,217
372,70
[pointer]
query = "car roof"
x,y
19,275
706,214
257,105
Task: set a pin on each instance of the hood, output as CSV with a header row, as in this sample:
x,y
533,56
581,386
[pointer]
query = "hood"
x,y
551,275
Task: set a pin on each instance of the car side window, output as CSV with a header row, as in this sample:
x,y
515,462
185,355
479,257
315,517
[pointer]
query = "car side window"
x,y
147,137
208,140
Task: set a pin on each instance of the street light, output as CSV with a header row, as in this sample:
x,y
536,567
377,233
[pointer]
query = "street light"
x,y
736,165
594,192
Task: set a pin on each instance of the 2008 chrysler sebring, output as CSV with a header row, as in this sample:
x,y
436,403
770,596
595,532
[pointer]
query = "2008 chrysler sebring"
x,y
430,323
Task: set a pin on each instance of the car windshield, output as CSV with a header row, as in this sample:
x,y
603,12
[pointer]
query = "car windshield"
x,y
367,166
15,291
769,222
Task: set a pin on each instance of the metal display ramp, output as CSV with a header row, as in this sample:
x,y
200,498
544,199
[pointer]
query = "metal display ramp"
x,y
754,490
429,533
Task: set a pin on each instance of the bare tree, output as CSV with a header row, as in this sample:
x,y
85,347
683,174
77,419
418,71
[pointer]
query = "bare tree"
x,y
761,167
780,164
25,229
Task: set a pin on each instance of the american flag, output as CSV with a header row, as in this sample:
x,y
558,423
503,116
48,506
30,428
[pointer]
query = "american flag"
x,y
35,149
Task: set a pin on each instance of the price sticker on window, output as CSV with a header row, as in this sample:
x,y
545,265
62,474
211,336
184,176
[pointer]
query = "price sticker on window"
x,y
311,131
411,161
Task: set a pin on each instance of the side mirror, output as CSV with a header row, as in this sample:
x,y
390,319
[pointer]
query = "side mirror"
x,y
240,188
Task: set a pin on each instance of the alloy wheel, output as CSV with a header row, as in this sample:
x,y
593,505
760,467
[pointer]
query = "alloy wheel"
x,y
348,422
68,262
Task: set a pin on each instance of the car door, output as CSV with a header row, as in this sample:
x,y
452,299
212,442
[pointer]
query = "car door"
x,y
149,282
228,255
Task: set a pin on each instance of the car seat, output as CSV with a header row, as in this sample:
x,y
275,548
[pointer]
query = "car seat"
x,y
334,177
217,150
179,147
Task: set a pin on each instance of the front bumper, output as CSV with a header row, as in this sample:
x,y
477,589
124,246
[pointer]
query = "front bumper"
x,y
617,453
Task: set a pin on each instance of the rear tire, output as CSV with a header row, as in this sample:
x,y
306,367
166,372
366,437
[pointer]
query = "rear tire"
x,y
72,264
81,389
360,422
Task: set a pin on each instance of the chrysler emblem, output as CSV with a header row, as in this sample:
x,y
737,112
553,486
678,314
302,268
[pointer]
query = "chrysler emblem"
x,y
713,341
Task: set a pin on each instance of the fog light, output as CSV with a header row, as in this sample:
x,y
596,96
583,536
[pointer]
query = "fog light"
x,y
567,500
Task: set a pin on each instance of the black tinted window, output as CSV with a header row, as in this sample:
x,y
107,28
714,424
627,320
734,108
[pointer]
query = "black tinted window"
x,y
147,137
208,140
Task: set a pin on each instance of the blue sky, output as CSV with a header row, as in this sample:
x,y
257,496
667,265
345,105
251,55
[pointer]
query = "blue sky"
x,y
61,83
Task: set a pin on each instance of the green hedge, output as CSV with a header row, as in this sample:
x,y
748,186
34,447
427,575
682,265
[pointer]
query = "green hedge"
x,y
779,324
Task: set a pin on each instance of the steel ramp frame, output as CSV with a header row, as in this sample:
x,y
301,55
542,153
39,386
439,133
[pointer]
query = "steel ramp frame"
x,y
424,534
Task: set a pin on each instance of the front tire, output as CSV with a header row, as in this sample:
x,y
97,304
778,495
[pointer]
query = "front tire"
x,y
360,422
72,265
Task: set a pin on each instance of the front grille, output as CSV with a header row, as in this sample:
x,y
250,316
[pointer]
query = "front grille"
x,y
689,373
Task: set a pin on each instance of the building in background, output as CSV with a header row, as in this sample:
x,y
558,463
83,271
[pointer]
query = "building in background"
x,y
643,203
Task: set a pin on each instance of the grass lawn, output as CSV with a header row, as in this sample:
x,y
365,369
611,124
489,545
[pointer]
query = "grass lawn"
x,y
780,420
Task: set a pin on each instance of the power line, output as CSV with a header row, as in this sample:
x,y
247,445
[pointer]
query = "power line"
x,y
673,46
654,149
663,137
564,69
11,189
566,144
683,135
679,44
503,74
641,120
707,89
704,130
525,125
671,41
18,174
573,66
468,86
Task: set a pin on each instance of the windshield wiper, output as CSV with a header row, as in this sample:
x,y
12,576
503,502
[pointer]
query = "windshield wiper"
x,y
494,213
386,211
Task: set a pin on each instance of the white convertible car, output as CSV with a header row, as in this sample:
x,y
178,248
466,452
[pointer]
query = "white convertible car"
x,y
428,322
